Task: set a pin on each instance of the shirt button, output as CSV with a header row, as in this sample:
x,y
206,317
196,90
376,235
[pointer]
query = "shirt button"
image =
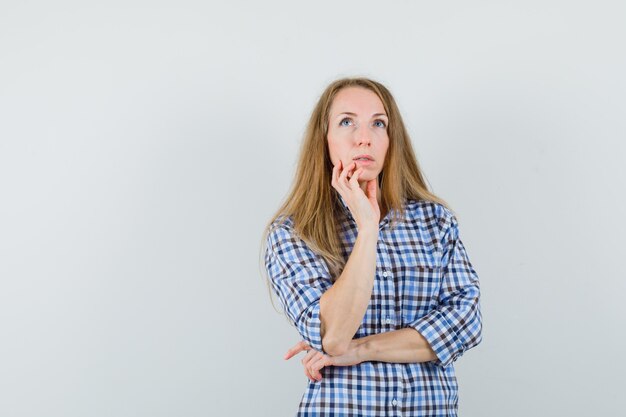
x,y
388,320
394,402
385,274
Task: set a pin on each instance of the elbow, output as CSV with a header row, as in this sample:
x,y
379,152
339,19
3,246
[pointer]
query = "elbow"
x,y
334,347
479,326
474,329
479,334
476,333
332,344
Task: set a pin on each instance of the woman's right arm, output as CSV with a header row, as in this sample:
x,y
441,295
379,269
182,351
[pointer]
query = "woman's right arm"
x,y
343,306
327,315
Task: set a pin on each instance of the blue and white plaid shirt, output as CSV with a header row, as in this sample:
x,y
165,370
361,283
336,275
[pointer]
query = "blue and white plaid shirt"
x,y
424,280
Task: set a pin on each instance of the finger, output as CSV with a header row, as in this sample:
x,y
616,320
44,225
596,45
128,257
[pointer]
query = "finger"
x,y
344,174
335,174
354,181
305,362
314,373
350,170
316,366
295,349
340,184
307,358
346,170
300,346
304,346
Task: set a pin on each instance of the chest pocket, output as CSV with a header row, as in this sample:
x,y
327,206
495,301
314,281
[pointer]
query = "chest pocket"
x,y
419,282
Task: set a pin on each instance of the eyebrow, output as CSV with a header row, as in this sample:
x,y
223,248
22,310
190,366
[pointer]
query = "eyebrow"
x,y
354,114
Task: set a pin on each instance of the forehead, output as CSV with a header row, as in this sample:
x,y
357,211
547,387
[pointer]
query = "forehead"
x,y
357,100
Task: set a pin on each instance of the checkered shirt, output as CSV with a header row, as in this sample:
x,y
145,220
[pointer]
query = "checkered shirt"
x,y
424,280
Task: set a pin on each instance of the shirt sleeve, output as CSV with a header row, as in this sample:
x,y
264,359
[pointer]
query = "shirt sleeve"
x,y
299,277
455,325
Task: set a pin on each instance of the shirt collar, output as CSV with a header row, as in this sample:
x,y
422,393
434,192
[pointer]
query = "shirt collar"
x,y
349,213
344,205
346,209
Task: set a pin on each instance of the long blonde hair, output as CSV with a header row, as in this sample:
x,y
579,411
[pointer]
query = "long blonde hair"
x,y
313,203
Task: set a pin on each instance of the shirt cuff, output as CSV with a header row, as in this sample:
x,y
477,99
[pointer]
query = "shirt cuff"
x,y
436,329
309,326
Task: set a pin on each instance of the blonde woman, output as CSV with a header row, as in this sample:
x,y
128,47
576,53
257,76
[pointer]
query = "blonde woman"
x,y
369,266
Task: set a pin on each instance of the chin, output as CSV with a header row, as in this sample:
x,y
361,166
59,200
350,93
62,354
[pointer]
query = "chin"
x,y
366,176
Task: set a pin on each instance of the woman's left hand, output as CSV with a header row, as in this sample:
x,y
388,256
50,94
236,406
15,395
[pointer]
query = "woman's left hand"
x,y
314,361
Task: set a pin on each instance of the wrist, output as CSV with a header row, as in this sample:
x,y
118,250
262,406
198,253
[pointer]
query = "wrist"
x,y
363,349
367,232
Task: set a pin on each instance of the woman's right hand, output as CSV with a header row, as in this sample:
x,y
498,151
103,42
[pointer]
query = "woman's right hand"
x,y
364,207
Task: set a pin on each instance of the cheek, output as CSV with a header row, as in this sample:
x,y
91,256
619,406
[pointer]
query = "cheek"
x,y
332,150
385,147
337,151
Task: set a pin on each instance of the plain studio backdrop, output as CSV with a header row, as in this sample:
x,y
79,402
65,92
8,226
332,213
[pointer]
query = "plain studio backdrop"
x,y
144,146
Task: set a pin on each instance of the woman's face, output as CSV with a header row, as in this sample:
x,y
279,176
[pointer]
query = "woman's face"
x,y
357,125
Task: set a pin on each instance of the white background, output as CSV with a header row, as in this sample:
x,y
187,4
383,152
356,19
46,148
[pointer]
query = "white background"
x,y
144,145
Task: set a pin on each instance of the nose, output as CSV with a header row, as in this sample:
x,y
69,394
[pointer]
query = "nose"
x,y
362,135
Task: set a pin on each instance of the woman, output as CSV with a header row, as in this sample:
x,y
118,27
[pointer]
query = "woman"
x,y
369,266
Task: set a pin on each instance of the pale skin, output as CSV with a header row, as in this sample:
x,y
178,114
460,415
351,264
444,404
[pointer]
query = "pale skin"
x,y
343,306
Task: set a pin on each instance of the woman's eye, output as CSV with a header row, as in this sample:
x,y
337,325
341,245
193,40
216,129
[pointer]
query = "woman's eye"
x,y
347,119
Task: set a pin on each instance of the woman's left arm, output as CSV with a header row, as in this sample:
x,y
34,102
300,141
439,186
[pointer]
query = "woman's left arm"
x,y
400,346
449,329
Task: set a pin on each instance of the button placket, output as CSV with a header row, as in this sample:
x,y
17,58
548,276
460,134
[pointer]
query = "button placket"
x,y
386,285
389,319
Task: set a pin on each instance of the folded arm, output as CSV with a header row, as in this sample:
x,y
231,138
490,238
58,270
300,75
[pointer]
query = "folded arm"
x,y
327,315
399,346
449,329
303,284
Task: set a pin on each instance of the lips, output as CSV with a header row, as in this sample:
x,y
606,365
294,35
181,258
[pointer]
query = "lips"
x,y
368,157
